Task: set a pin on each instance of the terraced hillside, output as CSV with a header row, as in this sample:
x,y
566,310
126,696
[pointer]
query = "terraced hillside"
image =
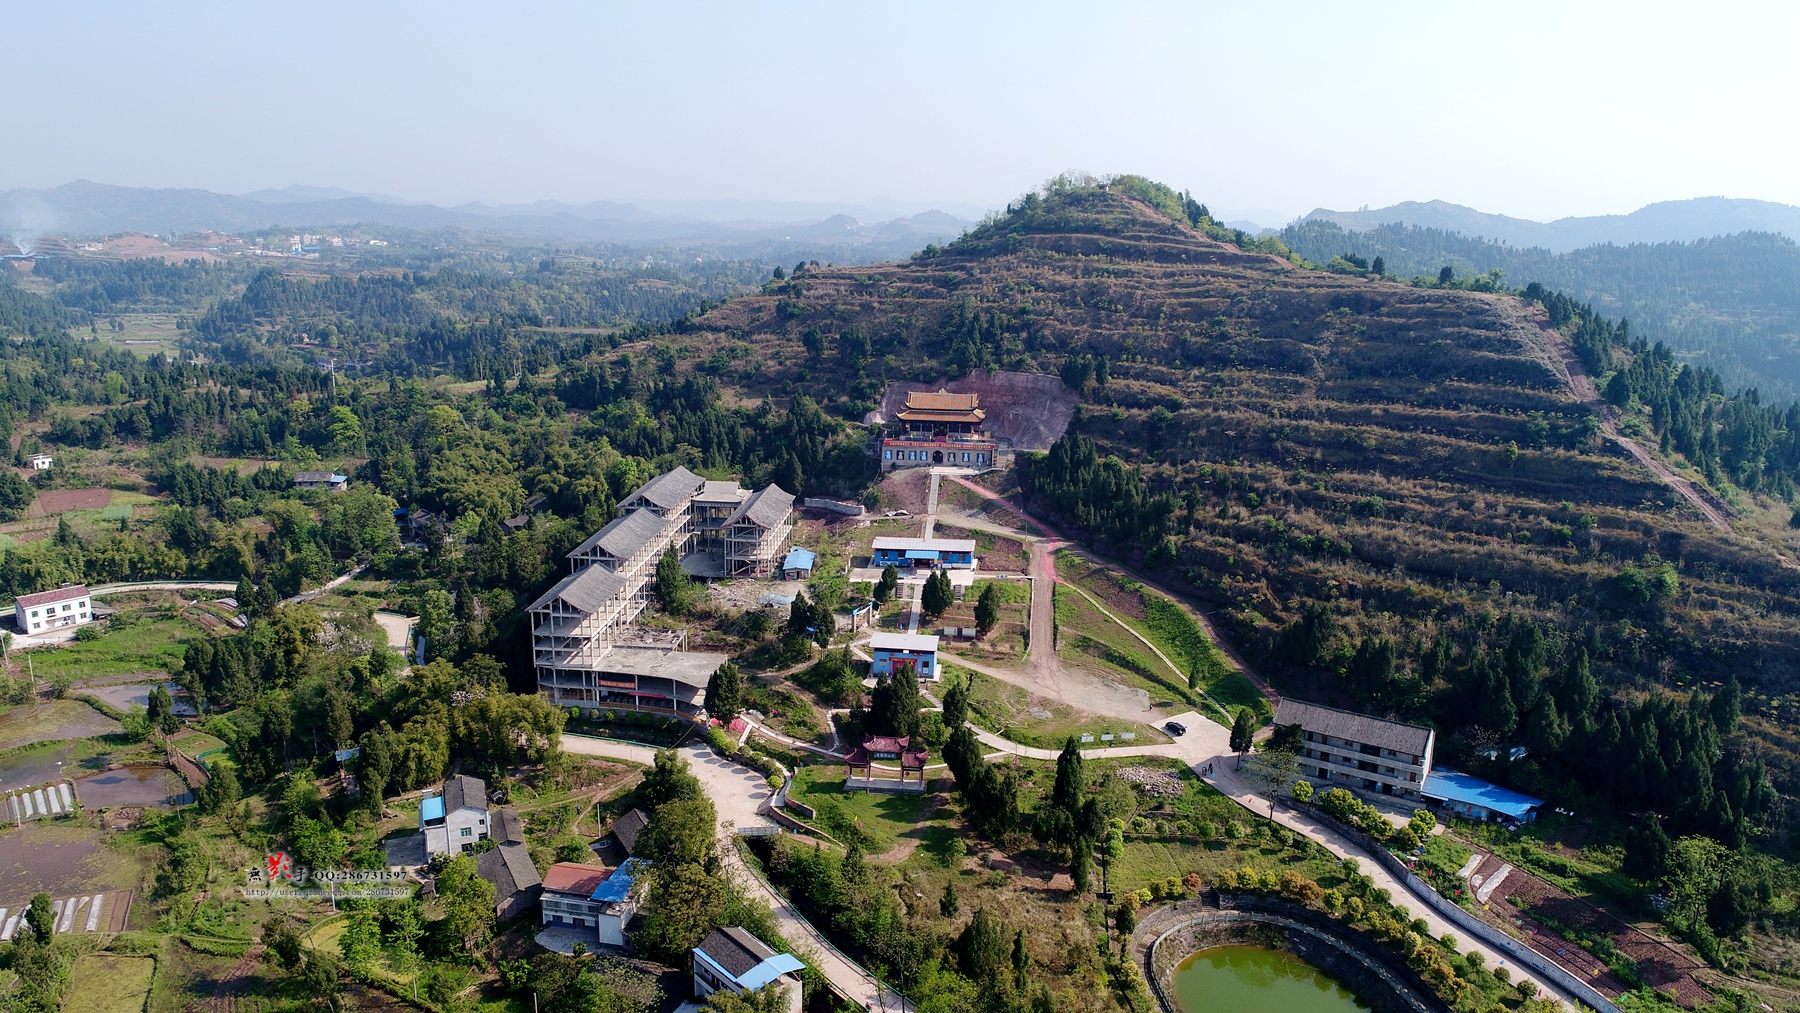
x,y
1407,460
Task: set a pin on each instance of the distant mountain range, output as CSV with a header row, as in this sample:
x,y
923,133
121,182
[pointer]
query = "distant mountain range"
x,y
1668,221
85,209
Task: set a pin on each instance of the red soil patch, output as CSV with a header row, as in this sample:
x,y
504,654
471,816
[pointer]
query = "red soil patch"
x,y
143,247
56,501
1662,966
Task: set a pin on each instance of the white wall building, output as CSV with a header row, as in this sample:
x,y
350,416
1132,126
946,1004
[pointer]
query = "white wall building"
x,y
69,605
455,820
1344,749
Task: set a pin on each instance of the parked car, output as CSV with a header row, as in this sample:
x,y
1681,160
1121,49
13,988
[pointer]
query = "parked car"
x,y
1175,728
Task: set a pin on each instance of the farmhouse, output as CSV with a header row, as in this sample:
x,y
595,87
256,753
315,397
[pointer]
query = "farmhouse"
x,y
733,960
42,462
508,866
923,553
456,818
893,651
321,480
69,605
591,896
1343,749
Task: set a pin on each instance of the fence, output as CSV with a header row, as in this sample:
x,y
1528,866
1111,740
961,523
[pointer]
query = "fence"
x,y
1577,989
836,506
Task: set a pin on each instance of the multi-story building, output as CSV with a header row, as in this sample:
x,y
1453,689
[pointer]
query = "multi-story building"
x,y
456,819
756,532
587,650
590,897
711,509
938,429
69,605
1344,749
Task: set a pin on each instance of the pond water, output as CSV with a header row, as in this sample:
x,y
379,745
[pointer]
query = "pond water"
x,y
1255,979
145,786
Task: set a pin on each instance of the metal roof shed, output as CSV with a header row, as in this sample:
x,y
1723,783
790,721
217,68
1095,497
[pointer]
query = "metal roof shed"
x,y
1469,794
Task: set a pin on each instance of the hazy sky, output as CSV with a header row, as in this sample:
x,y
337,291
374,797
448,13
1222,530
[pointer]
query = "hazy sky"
x,y
1532,110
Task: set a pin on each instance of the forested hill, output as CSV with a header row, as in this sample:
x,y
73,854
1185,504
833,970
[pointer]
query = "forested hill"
x,y
1731,303
1350,469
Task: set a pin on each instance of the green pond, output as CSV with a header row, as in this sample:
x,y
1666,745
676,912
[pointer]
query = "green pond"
x,y
1255,979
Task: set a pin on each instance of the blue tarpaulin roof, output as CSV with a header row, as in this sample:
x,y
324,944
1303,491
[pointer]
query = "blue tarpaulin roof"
x,y
770,969
1455,786
431,808
618,885
798,559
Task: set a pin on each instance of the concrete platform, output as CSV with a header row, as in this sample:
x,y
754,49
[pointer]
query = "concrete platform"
x,y
405,852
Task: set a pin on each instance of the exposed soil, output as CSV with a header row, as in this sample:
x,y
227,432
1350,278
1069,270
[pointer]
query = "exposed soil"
x,y
1662,966
1002,554
56,501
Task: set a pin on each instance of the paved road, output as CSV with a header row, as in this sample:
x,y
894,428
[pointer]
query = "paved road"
x,y
739,794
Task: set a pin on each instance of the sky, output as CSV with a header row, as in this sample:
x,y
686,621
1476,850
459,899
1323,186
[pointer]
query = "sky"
x,y
1262,109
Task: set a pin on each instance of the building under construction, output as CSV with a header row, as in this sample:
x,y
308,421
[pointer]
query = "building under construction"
x,y
588,650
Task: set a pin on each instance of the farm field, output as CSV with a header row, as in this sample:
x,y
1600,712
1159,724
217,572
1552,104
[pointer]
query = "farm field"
x,y
109,983
149,644
53,721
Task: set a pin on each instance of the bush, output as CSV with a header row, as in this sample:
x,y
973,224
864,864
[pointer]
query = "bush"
x,y
719,741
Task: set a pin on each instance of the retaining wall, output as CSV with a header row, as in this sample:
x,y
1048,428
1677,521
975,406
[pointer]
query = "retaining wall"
x,y
1515,950
1331,947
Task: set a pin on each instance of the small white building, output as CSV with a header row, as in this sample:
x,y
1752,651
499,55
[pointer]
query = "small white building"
x,y
69,605
42,462
455,820
321,480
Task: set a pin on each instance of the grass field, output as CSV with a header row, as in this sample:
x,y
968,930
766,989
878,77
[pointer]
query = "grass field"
x,y
109,983
144,645
879,819
1089,640
1011,592
1009,710
56,720
1170,627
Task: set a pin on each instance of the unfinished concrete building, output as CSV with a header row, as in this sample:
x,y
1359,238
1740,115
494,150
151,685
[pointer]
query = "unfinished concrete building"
x,y
756,533
586,648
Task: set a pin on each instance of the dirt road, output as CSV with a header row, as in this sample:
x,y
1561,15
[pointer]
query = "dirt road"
x,y
1584,390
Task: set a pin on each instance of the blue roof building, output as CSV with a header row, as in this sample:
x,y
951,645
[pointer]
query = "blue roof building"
x,y
1470,796
798,565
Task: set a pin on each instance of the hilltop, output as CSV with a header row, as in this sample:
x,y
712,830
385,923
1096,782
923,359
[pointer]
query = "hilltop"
x,y
1330,462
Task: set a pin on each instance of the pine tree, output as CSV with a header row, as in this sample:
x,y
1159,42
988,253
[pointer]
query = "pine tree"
x,y
937,595
671,584
1081,869
1071,779
884,588
987,608
956,703
1243,732
948,905
725,693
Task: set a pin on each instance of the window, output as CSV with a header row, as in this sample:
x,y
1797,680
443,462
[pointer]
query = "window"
x,y
888,454
34,613
466,832
67,607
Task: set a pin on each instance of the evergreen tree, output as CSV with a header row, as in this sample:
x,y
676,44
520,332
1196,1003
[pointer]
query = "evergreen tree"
x,y
948,905
1243,733
987,608
725,693
671,585
1728,706
1071,779
956,702
937,595
894,703
962,754
890,579
1081,869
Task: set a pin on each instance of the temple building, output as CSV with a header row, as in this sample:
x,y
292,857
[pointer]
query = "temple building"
x,y
939,429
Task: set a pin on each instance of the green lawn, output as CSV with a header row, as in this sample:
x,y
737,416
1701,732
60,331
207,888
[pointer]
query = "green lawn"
x,y
109,983
144,645
1010,592
879,819
196,742
1166,624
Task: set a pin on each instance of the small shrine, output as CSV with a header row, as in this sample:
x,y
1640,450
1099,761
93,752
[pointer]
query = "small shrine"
x,y
889,751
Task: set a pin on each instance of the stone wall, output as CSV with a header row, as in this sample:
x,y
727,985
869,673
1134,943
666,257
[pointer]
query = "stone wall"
x,y
1357,964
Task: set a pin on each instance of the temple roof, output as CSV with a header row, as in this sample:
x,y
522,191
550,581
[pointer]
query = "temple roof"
x,y
942,401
